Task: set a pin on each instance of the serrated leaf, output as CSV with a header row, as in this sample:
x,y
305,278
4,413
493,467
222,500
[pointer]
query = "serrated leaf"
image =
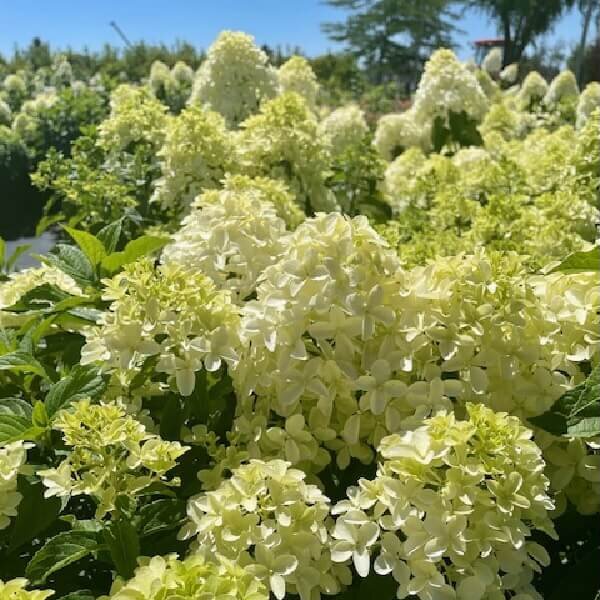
x,y
73,262
39,416
110,235
133,250
580,261
21,362
161,515
81,382
41,297
58,552
89,244
35,513
124,546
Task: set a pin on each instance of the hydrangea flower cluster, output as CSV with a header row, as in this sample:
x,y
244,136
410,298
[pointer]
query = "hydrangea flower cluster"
x,y
233,234
296,75
197,152
589,100
532,91
171,86
195,578
343,128
12,462
492,63
267,519
398,132
451,510
282,142
563,87
234,78
448,86
111,455
135,117
169,312
15,590
5,113
510,73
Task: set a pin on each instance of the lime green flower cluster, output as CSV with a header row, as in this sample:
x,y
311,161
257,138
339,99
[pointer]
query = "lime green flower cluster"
x,y
268,520
15,590
282,142
296,75
234,78
169,312
451,510
492,63
197,152
535,196
195,578
233,234
136,116
111,455
13,457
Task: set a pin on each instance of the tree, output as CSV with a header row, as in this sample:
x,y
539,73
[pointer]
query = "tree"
x,y
521,21
586,8
393,38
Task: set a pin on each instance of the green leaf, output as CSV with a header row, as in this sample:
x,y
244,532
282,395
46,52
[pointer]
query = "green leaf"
x,y
124,546
12,259
110,235
58,552
41,297
161,515
81,382
21,362
73,262
133,250
39,416
90,245
46,221
79,595
35,514
576,412
15,419
580,261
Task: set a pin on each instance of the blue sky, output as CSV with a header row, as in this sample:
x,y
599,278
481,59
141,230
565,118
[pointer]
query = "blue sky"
x,y
76,24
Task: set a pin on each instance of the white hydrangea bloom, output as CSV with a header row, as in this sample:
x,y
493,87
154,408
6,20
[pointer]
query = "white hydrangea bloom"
x,y
448,86
397,132
266,511
296,75
401,180
232,235
197,152
589,100
62,72
451,510
563,86
492,63
510,73
234,78
12,462
533,90
343,128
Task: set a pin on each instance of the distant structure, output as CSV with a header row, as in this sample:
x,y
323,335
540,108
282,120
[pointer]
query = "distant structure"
x,y
482,47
